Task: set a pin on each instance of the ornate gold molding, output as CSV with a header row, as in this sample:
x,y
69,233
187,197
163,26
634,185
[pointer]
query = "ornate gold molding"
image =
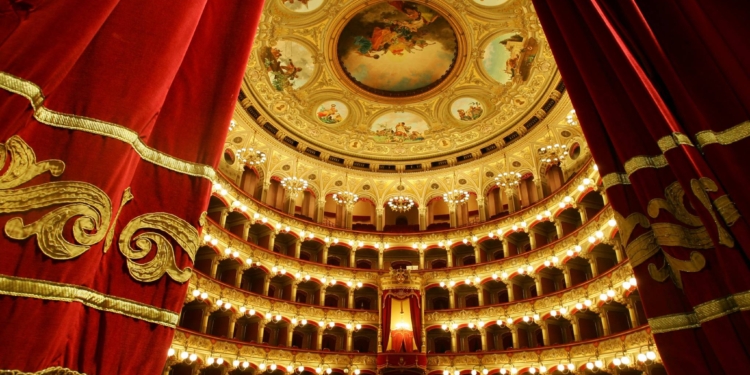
x,y
34,94
48,371
52,291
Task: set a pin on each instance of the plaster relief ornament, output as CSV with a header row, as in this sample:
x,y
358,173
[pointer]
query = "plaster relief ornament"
x,y
397,48
509,57
288,63
491,3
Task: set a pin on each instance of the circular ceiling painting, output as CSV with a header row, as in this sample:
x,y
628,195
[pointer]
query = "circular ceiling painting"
x,y
489,3
466,109
332,112
509,57
397,48
289,64
302,6
399,127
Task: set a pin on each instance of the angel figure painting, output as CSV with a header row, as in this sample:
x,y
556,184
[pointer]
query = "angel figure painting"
x,y
510,57
289,65
397,48
399,127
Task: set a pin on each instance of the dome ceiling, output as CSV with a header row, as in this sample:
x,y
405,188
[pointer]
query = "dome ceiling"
x,y
401,81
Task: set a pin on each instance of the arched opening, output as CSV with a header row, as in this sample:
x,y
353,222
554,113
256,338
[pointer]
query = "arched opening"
x,y
523,287
204,259
554,177
468,213
365,340
281,287
560,330
275,196
592,202
463,253
305,337
401,222
228,272
366,298
338,255
438,215
589,325
246,328
191,316
570,220
527,190
603,257
334,214
312,250
495,335
438,341
618,317
366,258
544,233
466,296
364,215
495,292
337,296
469,340
491,249
518,243
308,292
305,206
435,258
579,269
551,280
253,280
437,298
496,202
400,258
250,182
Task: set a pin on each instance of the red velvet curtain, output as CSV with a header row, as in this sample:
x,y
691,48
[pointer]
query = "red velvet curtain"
x,y
415,305
662,91
123,106
386,319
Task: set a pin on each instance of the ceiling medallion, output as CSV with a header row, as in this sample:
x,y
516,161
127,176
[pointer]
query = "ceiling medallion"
x,y
397,49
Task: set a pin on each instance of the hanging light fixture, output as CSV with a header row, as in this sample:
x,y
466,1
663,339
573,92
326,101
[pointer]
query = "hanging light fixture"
x,y
400,203
249,155
455,196
294,184
508,178
553,152
345,197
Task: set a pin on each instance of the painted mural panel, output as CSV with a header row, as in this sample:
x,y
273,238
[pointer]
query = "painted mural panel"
x,y
509,57
399,127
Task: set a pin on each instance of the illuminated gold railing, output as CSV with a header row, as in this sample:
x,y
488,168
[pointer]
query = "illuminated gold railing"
x,y
629,343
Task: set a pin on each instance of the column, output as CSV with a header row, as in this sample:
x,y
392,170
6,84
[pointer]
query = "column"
x,y
532,238
230,327
593,265
545,332
379,218
380,259
324,254
512,204
633,314
266,284
584,216
290,203
539,188
352,260
214,265
514,333
422,218
559,229
261,327
289,335
271,240
454,342
566,275
605,322
452,298
480,295
449,256
506,248
348,219
321,211
509,287
481,208
483,335
322,296
538,283
264,193
576,328
452,213
617,245
605,199
204,318
477,253
223,218
297,248
295,284
348,340
246,230
421,259
238,276
350,300
424,329
319,337
380,303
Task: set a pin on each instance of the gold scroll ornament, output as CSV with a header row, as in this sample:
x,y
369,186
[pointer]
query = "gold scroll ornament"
x,y
91,209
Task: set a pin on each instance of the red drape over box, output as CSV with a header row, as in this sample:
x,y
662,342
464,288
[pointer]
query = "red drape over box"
x,y
662,91
124,106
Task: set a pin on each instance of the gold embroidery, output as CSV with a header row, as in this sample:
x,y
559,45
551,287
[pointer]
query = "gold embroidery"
x,y
164,261
673,140
614,179
126,197
729,136
626,226
715,309
641,162
674,204
90,206
726,209
668,234
52,291
642,248
48,371
673,267
673,322
33,93
700,189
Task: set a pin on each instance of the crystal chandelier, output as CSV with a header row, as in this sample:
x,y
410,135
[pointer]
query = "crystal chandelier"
x,y
400,203
508,178
251,156
294,184
553,152
455,196
346,198
572,118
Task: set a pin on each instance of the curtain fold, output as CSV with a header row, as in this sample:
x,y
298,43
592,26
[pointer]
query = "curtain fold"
x,y
113,115
385,322
661,92
416,318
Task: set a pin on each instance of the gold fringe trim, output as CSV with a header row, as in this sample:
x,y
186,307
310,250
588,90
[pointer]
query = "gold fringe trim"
x,y
702,313
729,136
52,291
47,371
34,94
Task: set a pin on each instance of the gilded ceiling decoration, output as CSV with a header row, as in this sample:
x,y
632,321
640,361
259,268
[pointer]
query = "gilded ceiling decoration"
x,y
399,80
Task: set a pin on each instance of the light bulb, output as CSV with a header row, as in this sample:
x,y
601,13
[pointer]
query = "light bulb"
x,y
278,318
328,371
193,357
273,367
561,368
532,370
633,281
251,311
503,371
587,302
236,363
210,361
485,371
641,357
303,322
331,324
599,363
610,293
170,352
590,366
184,355
563,311
650,355
626,285
625,360
553,313
445,327
571,367
616,361
220,361
579,306
542,369
473,372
